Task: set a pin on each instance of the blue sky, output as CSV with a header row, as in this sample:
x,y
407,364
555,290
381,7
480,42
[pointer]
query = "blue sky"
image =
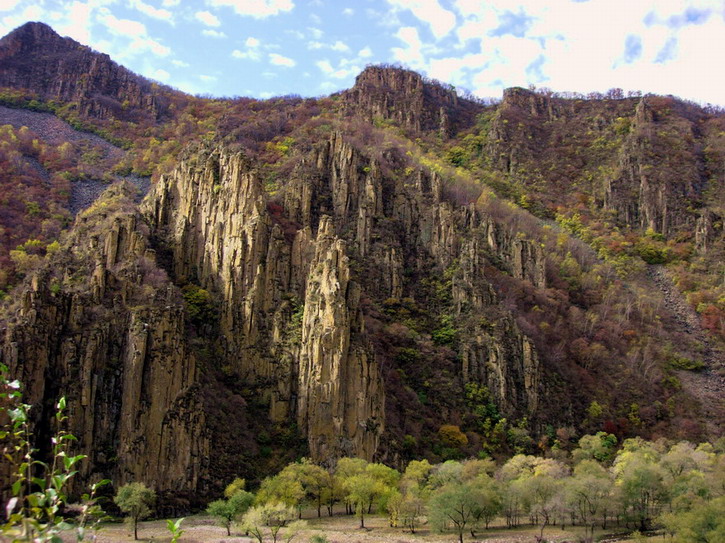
x,y
266,48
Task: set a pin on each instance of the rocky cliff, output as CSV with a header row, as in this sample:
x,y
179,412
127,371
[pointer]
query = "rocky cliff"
x,y
332,288
34,57
101,324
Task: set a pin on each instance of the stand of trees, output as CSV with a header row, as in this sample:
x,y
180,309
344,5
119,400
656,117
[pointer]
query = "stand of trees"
x,y
640,485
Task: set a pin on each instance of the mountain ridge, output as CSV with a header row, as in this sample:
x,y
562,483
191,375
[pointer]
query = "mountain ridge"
x,y
348,259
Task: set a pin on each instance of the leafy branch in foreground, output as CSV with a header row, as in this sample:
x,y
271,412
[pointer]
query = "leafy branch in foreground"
x,y
34,510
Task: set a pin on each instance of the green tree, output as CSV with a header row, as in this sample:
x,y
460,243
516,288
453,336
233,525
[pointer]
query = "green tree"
x,y
703,524
362,490
453,504
37,491
600,447
640,480
589,492
272,518
136,500
227,511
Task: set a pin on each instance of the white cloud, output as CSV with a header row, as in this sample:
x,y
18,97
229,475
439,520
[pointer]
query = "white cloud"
x,y
213,33
141,42
148,44
348,12
315,32
170,3
207,17
8,5
344,69
412,53
160,75
259,9
441,20
338,46
123,27
249,54
150,11
279,60
180,63
253,51
365,52
208,78
325,66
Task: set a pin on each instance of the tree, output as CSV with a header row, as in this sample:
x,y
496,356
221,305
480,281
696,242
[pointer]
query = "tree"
x,y
703,524
453,504
589,492
137,500
271,517
37,493
640,479
227,511
361,492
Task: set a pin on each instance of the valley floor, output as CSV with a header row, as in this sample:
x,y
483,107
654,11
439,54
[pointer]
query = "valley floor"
x,y
338,529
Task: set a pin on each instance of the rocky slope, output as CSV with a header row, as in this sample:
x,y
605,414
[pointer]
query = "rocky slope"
x,y
34,57
101,324
347,292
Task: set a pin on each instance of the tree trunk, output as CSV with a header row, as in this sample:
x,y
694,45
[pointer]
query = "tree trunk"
x,y
135,529
229,530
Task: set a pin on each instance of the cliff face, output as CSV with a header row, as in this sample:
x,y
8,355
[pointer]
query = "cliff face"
x,y
658,177
34,57
403,97
340,292
101,324
291,306
640,158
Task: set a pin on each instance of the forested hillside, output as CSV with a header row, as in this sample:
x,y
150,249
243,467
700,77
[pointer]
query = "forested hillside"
x,y
394,272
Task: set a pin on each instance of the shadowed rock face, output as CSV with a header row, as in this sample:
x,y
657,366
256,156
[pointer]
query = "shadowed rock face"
x,y
290,317
297,280
34,57
102,325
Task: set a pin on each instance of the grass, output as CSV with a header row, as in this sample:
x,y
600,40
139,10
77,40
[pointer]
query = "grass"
x,y
337,529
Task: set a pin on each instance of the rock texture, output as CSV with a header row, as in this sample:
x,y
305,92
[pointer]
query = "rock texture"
x,y
403,97
101,324
34,57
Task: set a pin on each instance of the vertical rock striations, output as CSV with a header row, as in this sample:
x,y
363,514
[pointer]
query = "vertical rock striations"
x,y
101,324
340,391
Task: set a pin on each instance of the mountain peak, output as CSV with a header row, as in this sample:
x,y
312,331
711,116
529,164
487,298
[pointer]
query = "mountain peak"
x,y
34,57
32,34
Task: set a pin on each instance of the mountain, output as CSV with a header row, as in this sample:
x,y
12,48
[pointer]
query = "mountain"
x,y
391,272
35,58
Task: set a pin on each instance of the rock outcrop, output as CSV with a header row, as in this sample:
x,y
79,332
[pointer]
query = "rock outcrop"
x,y
101,324
34,57
404,98
657,174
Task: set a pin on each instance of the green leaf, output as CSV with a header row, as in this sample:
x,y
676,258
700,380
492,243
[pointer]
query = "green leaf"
x,y
17,485
18,415
38,481
61,404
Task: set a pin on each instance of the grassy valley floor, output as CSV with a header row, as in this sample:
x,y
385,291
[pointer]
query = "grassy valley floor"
x,y
342,529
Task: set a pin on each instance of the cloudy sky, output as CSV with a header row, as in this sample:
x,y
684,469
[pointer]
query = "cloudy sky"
x,y
265,48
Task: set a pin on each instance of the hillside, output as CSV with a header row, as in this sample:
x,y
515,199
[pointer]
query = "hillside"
x,y
391,272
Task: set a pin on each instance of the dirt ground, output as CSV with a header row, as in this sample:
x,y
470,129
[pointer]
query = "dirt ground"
x,y
338,529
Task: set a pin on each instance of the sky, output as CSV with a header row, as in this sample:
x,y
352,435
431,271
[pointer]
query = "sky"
x,y
265,48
